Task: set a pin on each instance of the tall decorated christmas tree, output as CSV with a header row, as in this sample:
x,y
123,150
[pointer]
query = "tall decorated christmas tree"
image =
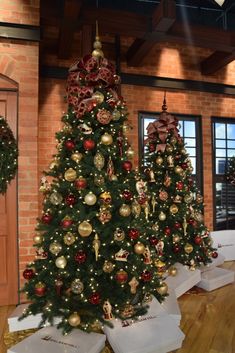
x,y
92,260
177,206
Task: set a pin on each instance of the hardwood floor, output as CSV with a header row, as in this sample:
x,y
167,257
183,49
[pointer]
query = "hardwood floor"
x,y
208,320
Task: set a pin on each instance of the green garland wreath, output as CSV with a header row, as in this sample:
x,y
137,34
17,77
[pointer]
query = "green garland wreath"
x,y
230,173
8,155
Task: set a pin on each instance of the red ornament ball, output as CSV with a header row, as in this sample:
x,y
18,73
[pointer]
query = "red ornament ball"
x,y
184,166
152,147
133,233
127,195
214,254
47,218
121,276
40,289
88,144
127,166
69,145
67,222
179,185
153,241
190,181
80,257
94,298
80,183
167,230
197,240
70,200
146,276
28,273
177,225
176,249
142,200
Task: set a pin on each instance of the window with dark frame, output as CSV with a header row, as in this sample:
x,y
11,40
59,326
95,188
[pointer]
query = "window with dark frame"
x,y
224,193
190,131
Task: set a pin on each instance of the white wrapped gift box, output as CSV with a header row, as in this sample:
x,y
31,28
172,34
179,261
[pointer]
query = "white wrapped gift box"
x,y
29,322
216,278
170,304
215,262
184,280
155,332
51,340
224,242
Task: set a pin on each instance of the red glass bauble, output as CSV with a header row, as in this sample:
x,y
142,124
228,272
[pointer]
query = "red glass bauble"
x,y
127,195
121,276
28,273
179,185
65,223
191,221
167,230
47,218
70,200
176,249
190,181
153,241
197,240
69,145
142,200
152,147
80,257
214,254
80,183
127,166
146,276
40,289
89,144
94,298
184,166
133,233
177,225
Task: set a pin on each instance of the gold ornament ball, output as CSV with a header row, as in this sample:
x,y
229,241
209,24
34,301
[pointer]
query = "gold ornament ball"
x,y
61,262
74,320
114,177
90,199
160,265
169,148
199,198
98,96
106,139
99,180
188,248
188,198
76,157
162,216
125,210
55,248
128,311
56,198
172,271
176,238
139,248
116,114
70,174
178,169
77,286
130,153
163,289
155,227
183,151
84,229
159,160
119,234
173,140
108,267
53,164
38,238
174,209
69,238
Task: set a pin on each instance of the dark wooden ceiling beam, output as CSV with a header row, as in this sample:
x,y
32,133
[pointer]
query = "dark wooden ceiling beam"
x,y
216,61
162,20
68,26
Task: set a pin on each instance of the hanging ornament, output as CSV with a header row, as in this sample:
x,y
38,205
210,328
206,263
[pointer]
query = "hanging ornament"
x,y
173,140
99,160
106,139
99,180
146,276
38,238
214,254
161,267
198,216
176,238
120,143
121,276
147,256
104,117
177,199
80,183
179,185
55,248
185,226
77,286
147,298
90,199
199,198
41,254
127,166
56,198
96,246
133,284
47,218
159,160
127,195
88,144
84,229
125,127
70,174
119,234
152,176
121,255
167,230
108,266
58,286
155,226
163,289
77,157
188,248
163,195
139,248
28,273
105,198
125,210
167,181
98,96
69,145
172,271
54,164
116,114
153,202
174,209
110,168
85,129
74,319
177,225
40,289
44,185
128,311
170,161
197,240
94,298
66,222
135,208
69,238
133,233
130,153
153,240
61,262
107,308
159,247
152,147
104,215
162,216
70,200
80,257
178,170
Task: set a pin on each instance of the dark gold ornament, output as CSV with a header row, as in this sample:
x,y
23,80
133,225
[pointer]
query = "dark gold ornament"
x,y
99,180
74,319
55,248
119,234
108,267
139,248
169,148
188,248
159,160
163,289
99,160
85,229
176,238
125,210
178,170
130,153
38,238
70,174
116,114
56,198
174,209
77,286
69,238
172,271
77,157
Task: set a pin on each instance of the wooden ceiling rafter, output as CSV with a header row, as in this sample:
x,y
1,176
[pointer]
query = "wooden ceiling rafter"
x,y
216,61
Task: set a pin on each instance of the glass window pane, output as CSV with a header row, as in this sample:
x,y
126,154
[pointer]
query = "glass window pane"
x,y
190,142
220,152
220,165
219,130
189,128
231,153
221,213
191,151
193,162
231,144
231,131
181,127
220,143
146,122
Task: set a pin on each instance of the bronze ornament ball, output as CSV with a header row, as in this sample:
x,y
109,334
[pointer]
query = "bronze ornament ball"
x,y
98,96
108,267
174,209
77,157
74,320
55,248
172,271
188,248
84,229
178,169
139,248
56,198
125,210
159,160
106,139
77,286
163,289
70,174
38,238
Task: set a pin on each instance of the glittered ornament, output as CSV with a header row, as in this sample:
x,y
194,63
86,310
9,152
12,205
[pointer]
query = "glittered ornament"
x,y
98,96
127,166
80,257
116,114
162,216
133,233
99,180
188,198
77,157
128,311
66,222
70,174
105,198
174,209
61,262
167,230
84,229
153,240
198,240
179,185
163,289
155,227
159,160
69,145
119,234
108,266
40,289
106,139
90,199
38,238
161,266
77,286
188,248
88,144
214,254
135,208
53,164
94,298
176,238
70,200
69,238
103,116
74,319
28,273
146,276
47,218
125,210
198,216
139,248
55,248
80,183
127,195
178,169
163,195
169,148
99,160
199,198
56,198
130,153
121,276
177,225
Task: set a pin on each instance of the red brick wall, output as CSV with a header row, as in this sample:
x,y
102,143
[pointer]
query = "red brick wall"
x,y
19,61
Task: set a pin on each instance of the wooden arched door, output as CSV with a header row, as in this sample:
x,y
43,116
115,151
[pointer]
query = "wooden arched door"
x,y
8,206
